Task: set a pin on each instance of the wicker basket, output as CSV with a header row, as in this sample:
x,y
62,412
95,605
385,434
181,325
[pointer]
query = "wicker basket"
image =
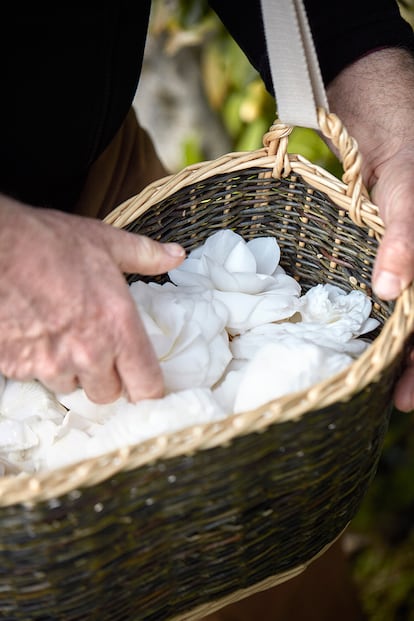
x,y
185,523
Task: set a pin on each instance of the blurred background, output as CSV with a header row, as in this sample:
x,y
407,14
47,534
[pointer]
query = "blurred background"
x,y
210,101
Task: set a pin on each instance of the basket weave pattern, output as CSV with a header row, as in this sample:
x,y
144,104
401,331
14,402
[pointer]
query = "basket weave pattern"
x,y
182,524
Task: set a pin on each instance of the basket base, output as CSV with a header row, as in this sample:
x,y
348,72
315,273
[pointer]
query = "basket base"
x,y
273,581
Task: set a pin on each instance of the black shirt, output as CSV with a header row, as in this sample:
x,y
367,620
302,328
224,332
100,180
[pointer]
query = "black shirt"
x,y
69,75
343,31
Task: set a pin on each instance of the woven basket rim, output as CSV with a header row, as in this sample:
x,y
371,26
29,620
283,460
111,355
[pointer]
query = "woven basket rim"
x,y
28,488
314,175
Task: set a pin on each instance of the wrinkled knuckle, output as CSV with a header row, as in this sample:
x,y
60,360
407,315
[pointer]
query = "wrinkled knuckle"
x,y
148,251
49,370
85,355
18,372
145,245
402,247
122,312
401,251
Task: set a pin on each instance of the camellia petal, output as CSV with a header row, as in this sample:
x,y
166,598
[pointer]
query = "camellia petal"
x,y
220,278
240,259
135,423
247,311
218,246
226,390
183,328
285,367
266,252
187,367
328,304
21,400
254,283
191,273
16,435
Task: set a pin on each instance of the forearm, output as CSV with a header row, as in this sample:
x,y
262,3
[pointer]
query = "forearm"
x,y
374,98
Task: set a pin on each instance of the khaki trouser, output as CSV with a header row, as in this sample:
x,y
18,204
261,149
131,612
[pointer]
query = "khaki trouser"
x,y
324,592
126,167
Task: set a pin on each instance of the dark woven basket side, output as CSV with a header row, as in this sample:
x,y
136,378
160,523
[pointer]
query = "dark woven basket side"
x,y
157,541
319,242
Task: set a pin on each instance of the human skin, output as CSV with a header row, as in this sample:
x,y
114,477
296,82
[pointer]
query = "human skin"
x,y
374,98
66,315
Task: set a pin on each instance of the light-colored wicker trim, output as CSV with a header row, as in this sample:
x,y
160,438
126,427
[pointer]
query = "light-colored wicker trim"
x,y
29,489
206,609
365,370
313,174
349,194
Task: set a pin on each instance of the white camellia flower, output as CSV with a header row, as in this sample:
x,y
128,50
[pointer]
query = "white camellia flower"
x,y
226,389
327,315
30,416
15,435
284,367
328,304
344,317
187,332
245,276
128,423
27,400
149,418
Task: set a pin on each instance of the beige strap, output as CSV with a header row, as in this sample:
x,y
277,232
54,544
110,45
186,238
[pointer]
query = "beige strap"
x,y
294,65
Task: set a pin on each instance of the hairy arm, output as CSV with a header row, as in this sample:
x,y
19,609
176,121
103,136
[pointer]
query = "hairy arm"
x,y
374,98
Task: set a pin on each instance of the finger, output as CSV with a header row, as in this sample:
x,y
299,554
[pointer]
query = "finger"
x,y
394,265
106,388
93,356
139,254
404,392
40,361
62,384
138,365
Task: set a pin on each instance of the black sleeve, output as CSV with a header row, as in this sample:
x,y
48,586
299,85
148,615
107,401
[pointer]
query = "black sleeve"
x,y
68,77
343,31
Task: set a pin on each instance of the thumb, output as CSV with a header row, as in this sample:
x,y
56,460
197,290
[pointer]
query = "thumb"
x,y
139,254
394,264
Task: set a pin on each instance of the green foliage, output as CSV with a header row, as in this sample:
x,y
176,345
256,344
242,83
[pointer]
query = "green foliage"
x,y
233,88
191,151
308,143
407,10
384,567
386,580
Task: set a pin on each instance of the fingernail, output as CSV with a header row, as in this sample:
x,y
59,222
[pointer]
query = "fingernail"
x,y
404,401
174,250
387,286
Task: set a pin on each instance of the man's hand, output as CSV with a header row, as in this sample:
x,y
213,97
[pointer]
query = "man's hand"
x,y
66,314
374,98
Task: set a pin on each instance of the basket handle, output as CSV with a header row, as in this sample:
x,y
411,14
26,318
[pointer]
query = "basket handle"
x,y
301,96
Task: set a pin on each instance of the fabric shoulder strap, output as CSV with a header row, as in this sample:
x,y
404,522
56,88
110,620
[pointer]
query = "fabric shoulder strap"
x,y
294,66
